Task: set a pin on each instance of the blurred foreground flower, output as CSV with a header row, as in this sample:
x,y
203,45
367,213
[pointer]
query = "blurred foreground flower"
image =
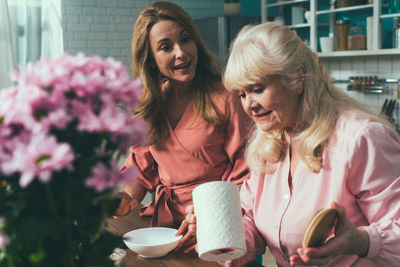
x,y
64,127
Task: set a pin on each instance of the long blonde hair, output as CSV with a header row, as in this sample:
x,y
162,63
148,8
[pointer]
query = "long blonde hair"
x,y
272,49
153,101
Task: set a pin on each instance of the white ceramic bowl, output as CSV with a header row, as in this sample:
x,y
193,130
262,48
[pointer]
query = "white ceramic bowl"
x,y
151,242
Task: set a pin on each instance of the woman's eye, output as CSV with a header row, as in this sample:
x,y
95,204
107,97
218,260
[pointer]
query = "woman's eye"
x,y
258,89
186,39
242,95
165,48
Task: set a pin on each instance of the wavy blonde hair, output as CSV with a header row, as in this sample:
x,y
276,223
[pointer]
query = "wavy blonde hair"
x,y
155,87
273,50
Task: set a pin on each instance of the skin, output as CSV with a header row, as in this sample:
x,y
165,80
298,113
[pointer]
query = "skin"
x,y
175,53
274,106
175,57
271,104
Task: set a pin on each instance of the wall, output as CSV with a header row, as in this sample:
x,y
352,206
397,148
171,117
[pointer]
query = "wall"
x,y
385,67
104,27
250,7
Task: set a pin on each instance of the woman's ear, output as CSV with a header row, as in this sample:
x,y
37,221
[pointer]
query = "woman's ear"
x,y
300,80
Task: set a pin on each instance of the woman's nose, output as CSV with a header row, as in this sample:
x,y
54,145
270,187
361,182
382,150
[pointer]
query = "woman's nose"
x,y
250,103
253,103
179,51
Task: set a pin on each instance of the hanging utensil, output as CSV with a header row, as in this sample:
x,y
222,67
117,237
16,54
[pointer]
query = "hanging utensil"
x,y
391,107
384,106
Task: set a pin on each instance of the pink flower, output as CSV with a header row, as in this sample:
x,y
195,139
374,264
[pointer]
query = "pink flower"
x,y
103,177
50,94
4,240
40,157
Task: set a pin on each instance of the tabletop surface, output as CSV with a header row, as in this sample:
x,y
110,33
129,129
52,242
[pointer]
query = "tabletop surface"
x,y
134,221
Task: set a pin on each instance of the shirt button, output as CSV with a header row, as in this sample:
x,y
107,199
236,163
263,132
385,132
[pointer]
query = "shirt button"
x,y
286,197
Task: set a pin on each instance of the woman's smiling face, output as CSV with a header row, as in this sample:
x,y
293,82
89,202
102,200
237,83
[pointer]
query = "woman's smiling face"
x,y
174,51
271,104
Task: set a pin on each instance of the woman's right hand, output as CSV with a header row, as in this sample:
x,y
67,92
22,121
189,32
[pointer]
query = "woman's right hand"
x,y
127,204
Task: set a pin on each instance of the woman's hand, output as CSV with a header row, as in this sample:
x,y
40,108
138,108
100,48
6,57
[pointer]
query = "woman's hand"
x,y
347,240
132,195
127,204
188,242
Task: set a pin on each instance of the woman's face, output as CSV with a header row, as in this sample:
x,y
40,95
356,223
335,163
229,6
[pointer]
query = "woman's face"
x,y
174,51
271,104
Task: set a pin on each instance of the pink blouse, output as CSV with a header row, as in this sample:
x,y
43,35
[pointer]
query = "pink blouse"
x,y
194,153
361,171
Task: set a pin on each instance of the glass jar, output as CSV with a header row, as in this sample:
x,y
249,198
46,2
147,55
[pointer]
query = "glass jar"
x,y
342,29
356,39
342,3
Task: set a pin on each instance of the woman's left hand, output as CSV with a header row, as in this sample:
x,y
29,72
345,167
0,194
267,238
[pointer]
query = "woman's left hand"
x,y
188,242
348,239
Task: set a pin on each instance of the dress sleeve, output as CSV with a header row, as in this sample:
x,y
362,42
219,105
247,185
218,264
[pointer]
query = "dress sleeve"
x,y
374,179
142,158
237,134
255,243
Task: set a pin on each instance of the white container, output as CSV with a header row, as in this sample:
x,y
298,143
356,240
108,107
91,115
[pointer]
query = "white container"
x,y
327,44
297,15
307,16
151,242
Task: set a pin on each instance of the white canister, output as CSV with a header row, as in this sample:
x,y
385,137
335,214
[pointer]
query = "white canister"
x,y
297,15
327,44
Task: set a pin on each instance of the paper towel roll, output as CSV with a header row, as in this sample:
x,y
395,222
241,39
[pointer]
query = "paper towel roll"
x,y
219,227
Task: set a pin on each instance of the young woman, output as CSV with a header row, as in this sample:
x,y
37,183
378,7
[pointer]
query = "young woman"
x,y
198,129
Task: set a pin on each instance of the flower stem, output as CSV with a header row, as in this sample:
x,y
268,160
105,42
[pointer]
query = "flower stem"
x,y
68,211
51,202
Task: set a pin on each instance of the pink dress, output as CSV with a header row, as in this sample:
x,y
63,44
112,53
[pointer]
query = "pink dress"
x,y
194,153
361,171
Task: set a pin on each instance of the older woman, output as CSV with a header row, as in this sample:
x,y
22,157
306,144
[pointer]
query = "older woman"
x,y
313,147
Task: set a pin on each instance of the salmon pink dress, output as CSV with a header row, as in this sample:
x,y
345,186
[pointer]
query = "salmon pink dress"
x,y
194,153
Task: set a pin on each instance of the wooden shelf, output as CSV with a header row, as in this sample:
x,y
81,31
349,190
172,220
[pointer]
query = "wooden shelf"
x,y
312,29
285,3
303,25
385,16
361,53
344,9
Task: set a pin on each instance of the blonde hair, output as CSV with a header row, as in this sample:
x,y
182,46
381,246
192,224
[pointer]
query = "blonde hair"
x,y
153,101
272,49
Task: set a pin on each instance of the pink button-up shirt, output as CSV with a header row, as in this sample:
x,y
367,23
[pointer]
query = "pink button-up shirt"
x,y
361,171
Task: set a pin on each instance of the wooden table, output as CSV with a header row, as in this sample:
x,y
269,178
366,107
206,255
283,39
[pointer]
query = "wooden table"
x,y
133,221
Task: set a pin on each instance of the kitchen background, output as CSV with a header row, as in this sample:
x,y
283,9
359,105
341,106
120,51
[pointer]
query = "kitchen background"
x,y
104,27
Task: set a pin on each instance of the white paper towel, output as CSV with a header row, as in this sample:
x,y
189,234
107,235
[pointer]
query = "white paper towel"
x,y
220,233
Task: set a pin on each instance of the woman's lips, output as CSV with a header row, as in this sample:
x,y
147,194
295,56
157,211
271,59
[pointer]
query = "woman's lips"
x,y
262,116
182,67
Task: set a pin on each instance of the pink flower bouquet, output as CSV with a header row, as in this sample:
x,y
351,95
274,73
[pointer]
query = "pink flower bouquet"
x,y
64,128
